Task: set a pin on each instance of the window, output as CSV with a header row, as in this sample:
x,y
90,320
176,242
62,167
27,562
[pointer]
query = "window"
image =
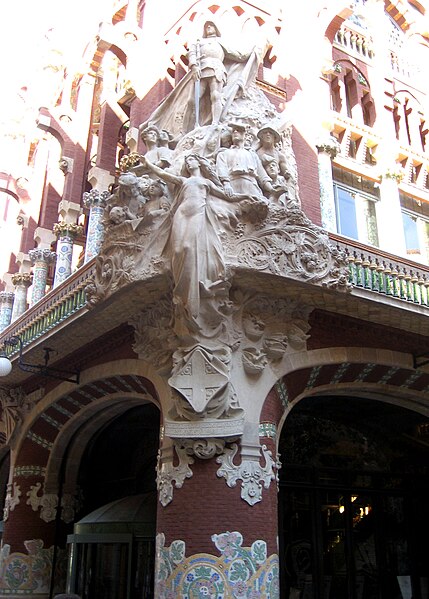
x,y
416,231
355,205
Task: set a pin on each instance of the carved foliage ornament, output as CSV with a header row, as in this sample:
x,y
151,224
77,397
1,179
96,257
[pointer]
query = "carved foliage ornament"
x,y
48,504
252,475
13,495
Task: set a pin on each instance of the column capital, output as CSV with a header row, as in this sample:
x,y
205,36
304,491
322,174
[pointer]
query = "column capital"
x,y
64,229
42,255
22,278
395,173
95,198
328,145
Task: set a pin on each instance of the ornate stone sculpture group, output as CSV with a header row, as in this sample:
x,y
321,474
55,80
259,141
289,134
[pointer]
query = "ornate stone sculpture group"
x,y
215,193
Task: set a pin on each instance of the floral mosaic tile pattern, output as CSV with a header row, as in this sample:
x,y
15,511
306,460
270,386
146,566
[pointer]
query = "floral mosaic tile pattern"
x,y
238,573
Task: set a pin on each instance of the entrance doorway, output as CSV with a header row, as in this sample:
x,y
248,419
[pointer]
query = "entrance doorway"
x,y
112,550
353,489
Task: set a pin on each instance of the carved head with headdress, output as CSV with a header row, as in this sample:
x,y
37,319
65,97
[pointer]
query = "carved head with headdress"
x,y
213,26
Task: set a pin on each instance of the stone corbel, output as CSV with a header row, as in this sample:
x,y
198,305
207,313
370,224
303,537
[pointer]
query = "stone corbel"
x,y
252,475
13,494
66,164
167,473
47,502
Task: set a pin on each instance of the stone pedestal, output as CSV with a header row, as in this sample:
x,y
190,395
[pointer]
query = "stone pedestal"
x,y
96,201
66,233
6,302
41,258
22,282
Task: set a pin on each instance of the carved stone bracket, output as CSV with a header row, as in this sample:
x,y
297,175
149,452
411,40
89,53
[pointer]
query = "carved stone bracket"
x,y
252,475
13,494
167,473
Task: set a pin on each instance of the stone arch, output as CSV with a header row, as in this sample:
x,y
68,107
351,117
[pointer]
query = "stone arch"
x,y
106,391
375,373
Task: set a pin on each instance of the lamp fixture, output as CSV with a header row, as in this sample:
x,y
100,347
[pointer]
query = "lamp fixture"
x,y
71,376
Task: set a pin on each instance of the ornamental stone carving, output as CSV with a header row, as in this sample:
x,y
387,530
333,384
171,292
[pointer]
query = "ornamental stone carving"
x,y
167,474
47,502
15,404
252,475
13,494
214,197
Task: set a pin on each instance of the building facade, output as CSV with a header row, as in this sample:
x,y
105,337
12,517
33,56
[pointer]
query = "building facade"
x,y
214,300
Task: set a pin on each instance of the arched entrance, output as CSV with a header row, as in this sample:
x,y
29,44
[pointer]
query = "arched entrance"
x,y
354,486
112,550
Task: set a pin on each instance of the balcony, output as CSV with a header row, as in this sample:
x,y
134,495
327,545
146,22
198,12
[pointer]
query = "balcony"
x,y
385,288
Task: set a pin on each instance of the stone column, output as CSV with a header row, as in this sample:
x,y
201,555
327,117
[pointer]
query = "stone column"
x,y
6,302
22,282
96,201
389,216
327,150
234,502
66,233
41,258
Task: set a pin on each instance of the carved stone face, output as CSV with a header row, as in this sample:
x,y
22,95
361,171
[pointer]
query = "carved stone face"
x,y
237,136
117,215
272,169
191,162
267,137
150,136
210,30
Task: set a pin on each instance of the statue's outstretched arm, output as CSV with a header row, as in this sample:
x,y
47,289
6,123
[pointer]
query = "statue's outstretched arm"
x,y
161,173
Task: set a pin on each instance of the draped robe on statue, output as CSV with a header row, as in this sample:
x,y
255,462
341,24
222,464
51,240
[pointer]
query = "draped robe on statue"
x,y
176,113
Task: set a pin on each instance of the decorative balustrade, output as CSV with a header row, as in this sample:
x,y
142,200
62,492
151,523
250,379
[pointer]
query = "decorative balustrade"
x,y
385,274
353,41
58,305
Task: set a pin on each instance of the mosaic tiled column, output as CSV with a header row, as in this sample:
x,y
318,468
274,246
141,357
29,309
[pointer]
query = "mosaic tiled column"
x,y
41,258
327,149
96,201
22,282
6,302
66,233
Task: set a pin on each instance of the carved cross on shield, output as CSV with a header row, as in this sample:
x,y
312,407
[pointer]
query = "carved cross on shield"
x,y
201,377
